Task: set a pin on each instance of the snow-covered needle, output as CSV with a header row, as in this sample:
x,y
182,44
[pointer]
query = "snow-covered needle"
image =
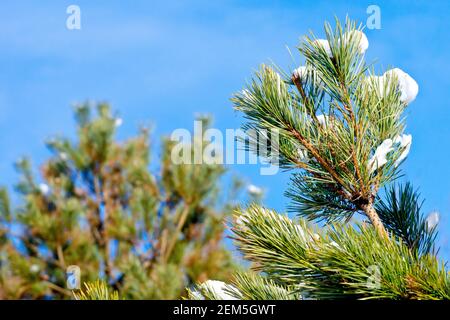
x,y
379,158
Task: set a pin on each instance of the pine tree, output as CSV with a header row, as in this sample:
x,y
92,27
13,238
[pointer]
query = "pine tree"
x,y
99,207
342,135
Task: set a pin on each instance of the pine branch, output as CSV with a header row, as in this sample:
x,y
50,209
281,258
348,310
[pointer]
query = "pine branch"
x,y
401,214
97,290
338,147
338,263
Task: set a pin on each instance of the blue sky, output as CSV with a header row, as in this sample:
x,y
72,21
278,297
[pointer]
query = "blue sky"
x,y
164,61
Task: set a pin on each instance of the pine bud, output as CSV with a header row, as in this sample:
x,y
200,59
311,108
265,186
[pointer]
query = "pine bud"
x,y
301,73
44,189
34,268
407,85
218,289
432,220
325,45
405,141
254,190
118,122
361,38
379,158
63,156
323,119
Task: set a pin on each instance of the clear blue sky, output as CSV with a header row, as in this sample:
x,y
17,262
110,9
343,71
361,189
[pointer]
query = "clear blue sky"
x,y
165,61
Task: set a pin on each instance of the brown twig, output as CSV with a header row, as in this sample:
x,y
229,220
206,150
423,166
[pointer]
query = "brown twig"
x,y
171,244
319,159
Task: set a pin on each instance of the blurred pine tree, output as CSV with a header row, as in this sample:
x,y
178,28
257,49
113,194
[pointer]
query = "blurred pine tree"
x,y
149,236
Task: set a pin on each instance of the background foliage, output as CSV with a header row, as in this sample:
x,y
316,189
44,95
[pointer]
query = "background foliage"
x,y
96,205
